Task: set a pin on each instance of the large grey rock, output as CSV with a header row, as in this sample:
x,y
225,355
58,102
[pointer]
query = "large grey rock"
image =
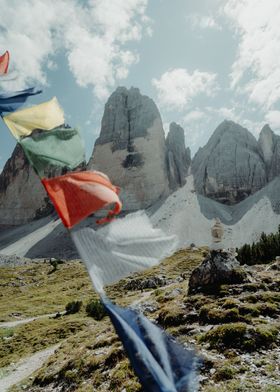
x,y
178,157
131,148
230,167
22,196
269,144
218,268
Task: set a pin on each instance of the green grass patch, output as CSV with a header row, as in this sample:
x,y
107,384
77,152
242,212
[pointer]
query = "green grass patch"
x,y
241,336
30,290
37,335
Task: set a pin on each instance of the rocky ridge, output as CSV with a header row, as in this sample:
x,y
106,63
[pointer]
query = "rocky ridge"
x,y
178,157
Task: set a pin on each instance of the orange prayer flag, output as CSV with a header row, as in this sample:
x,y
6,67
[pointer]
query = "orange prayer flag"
x,y
77,195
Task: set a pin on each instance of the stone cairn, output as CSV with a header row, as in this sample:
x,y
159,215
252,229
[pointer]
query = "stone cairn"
x,y
217,232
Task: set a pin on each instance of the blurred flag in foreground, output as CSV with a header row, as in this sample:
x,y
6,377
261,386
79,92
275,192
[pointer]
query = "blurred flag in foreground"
x,y
127,245
161,364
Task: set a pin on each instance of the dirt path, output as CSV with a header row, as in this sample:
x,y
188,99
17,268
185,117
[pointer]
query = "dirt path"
x,y
11,324
25,368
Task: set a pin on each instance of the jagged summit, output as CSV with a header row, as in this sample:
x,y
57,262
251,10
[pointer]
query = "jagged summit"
x,y
131,148
266,143
229,128
269,145
128,114
229,167
178,156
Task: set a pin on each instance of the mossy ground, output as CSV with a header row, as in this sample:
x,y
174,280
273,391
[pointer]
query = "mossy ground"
x,y
235,331
29,338
33,289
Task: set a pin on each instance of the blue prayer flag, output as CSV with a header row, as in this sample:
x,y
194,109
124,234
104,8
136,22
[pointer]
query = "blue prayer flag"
x,y
11,101
161,364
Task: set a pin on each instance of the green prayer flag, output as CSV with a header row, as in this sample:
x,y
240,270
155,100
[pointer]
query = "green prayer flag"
x,y
60,147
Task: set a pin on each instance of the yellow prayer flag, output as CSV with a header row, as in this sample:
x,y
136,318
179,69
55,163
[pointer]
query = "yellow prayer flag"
x,y
45,116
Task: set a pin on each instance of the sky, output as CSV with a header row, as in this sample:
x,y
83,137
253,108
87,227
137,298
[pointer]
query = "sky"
x,y
201,61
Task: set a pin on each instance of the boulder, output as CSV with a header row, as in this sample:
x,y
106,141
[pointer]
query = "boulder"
x,y
219,267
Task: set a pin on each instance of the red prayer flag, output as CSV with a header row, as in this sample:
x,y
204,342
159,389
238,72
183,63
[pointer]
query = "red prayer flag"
x,y
4,63
77,195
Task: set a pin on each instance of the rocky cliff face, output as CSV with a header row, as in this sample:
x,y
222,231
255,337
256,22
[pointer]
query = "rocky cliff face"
x,y
178,157
131,148
269,145
230,167
22,196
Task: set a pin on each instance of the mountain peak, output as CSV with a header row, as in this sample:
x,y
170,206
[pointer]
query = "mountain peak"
x,y
178,157
128,114
266,143
125,90
131,148
229,167
266,129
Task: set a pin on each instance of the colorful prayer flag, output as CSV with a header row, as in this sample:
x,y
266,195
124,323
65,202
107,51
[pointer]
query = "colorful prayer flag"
x,y
11,101
45,117
60,147
79,194
4,63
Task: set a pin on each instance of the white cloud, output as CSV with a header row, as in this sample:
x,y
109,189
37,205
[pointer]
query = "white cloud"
x,y
237,115
194,115
273,118
93,35
202,22
225,113
177,87
256,70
